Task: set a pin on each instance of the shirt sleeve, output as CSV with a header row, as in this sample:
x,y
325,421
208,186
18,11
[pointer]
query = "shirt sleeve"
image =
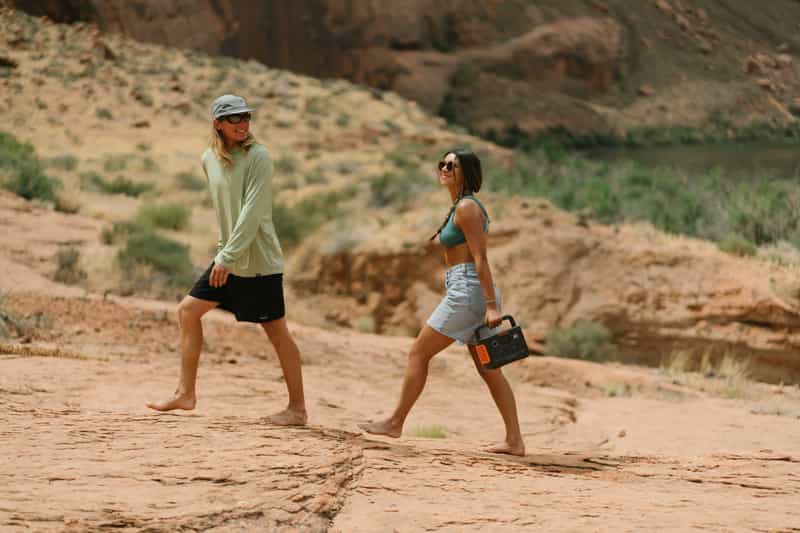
x,y
205,173
257,206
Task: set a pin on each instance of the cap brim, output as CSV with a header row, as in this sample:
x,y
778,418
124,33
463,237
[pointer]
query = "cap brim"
x,y
234,112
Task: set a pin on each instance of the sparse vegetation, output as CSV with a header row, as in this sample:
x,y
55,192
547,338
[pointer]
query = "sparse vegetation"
x,y
190,181
68,204
583,340
21,326
66,162
116,163
725,374
103,113
119,185
149,164
434,431
68,268
397,189
168,259
343,120
287,165
738,245
366,324
709,206
166,216
22,172
315,178
617,390
295,222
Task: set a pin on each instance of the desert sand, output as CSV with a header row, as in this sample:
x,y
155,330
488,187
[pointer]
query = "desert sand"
x,y
82,453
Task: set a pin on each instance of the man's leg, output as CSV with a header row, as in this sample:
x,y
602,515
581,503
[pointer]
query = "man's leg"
x,y
289,357
190,311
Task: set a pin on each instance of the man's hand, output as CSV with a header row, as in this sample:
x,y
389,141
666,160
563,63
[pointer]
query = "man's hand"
x,y
219,275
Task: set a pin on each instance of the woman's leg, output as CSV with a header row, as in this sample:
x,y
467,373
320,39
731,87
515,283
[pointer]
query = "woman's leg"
x,y
190,311
428,343
289,357
503,398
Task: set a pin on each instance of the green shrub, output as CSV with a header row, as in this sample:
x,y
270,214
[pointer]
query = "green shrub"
x,y
190,181
316,177
22,172
68,268
67,204
149,164
167,216
584,340
120,230
21,326
104,113
287,165
295,222
708,205
120,185
116,163
6,318
167,257
396,189
343,120
738,245
434,431
64,162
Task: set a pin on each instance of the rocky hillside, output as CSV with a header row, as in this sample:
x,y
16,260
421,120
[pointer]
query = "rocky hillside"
x,y
512,67
353,168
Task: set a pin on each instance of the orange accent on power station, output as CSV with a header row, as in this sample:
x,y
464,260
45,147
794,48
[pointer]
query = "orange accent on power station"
x,y
483,354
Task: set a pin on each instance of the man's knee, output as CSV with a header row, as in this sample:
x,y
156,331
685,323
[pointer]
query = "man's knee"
x,y
189,311
277,331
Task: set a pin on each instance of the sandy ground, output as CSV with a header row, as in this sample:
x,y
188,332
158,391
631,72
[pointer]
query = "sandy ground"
x,y
80,452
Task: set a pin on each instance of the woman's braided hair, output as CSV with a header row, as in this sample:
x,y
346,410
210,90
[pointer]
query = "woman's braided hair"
x,y
473,179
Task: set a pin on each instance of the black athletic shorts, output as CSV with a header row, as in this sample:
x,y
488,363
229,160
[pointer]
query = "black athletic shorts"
x,y
258,299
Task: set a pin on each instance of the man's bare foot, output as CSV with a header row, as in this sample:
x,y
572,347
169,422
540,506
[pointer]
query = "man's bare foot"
x,y
510,449
382,428
288,417
179,401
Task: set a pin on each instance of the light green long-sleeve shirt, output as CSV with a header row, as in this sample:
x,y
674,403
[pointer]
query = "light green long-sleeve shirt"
x,y
242,198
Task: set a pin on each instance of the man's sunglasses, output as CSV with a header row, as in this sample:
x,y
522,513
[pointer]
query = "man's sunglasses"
x,y
235,119
449,165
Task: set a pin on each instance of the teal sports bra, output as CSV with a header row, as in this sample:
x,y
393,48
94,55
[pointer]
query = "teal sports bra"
x,y
452,235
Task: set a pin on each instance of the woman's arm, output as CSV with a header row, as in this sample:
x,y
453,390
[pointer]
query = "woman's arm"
x,y
469,217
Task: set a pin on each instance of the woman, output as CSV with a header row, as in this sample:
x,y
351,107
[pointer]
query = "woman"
x,y
471,300
245,277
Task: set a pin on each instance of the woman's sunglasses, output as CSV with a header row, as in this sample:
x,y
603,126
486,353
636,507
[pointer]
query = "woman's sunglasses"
x,y
235,119
449,165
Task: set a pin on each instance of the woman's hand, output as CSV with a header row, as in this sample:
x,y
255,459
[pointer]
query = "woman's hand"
x,y
219,276
493,316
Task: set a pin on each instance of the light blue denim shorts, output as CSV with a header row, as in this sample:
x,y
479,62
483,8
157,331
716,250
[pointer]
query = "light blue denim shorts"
x,y
463,308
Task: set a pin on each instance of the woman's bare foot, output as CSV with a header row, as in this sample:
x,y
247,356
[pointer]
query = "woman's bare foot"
x,y
179,401
382,428
510,449
288,417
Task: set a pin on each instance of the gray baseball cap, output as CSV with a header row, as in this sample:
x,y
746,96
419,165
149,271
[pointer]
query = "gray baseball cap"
x,y
229,104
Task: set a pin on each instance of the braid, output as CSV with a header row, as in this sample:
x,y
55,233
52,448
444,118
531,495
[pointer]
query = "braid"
x,y
449,214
